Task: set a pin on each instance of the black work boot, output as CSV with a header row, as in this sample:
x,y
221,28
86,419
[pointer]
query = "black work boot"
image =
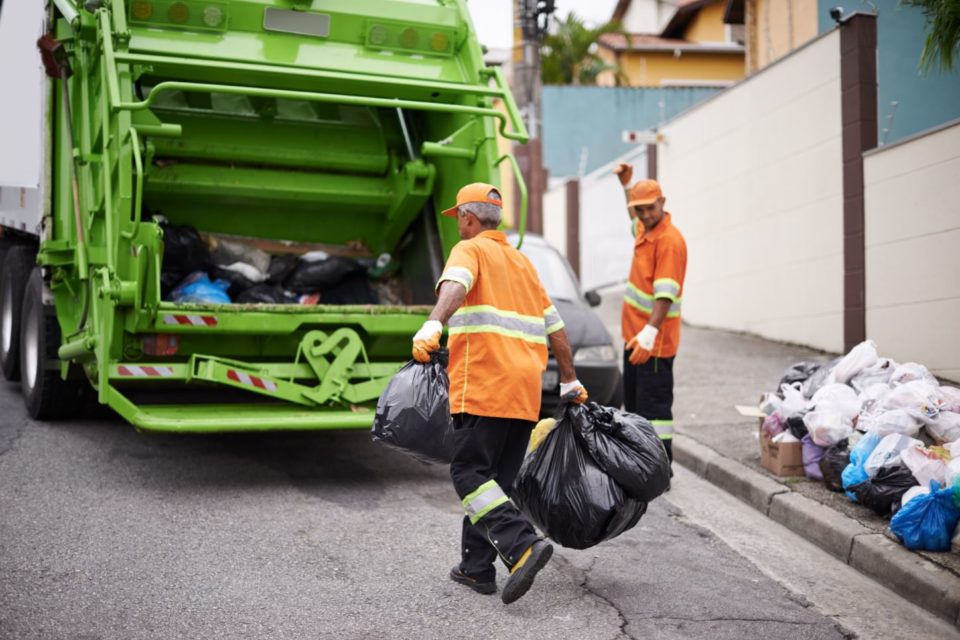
x,y
486,588
521,576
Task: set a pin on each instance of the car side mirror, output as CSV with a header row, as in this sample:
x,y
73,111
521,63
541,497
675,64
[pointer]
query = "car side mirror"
x,y
593,298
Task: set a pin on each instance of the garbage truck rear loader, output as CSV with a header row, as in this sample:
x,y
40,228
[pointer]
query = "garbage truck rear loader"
x,y
306,131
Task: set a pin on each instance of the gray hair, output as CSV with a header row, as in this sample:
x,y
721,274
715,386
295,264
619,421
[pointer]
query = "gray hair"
x,y
486,213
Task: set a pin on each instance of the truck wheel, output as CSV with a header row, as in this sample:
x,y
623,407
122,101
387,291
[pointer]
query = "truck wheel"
x,y
45,393
17,263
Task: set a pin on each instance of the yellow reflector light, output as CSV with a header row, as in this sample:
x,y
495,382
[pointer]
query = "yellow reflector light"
x,y
178,12
439,42
142,9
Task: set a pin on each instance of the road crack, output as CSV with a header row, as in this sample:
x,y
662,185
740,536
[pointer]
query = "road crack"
x,y
584,583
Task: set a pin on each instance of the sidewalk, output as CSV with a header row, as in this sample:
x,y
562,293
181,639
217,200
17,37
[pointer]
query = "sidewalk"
x,y
716,370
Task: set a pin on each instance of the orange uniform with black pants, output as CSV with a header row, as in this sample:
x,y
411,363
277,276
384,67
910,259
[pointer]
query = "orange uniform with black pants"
x,y
656,273
498,351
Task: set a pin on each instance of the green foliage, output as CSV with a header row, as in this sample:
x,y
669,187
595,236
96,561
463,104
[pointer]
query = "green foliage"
x,y
569,53
943,37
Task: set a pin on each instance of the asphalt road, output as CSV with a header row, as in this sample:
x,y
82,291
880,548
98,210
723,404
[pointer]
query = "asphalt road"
x,y
110,533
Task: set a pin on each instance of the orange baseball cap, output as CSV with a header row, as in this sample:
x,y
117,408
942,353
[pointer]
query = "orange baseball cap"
x,y
644,192
476,192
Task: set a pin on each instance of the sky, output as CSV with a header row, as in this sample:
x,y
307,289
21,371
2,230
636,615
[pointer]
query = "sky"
x,y
494,18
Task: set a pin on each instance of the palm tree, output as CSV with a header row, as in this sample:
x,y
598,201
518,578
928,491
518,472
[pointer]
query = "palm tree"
x,y
569,53
943,38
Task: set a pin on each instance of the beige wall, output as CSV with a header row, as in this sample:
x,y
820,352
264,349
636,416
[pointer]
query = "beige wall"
x,y
912,256
753,180
782,26
707,25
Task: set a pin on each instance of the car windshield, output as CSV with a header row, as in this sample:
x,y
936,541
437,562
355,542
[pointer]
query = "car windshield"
x,y
554,274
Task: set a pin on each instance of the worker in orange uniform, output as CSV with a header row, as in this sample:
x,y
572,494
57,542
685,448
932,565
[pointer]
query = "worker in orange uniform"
x,y
651,306
500,320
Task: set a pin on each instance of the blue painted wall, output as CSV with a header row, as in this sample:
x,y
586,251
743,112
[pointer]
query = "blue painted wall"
x,y
922,101
593,119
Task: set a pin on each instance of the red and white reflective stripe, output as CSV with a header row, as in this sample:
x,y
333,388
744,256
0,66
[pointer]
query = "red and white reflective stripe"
x,y
196,321
138,371
251,381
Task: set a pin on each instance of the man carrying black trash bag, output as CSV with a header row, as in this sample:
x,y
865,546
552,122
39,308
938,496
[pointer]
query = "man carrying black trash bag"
x,y
500,319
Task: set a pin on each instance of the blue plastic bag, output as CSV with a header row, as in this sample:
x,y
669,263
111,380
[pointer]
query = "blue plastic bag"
x,y
855,473
926,523
197,287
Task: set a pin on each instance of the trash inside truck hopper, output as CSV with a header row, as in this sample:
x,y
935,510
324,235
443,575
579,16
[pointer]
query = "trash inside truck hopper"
x,y
297,128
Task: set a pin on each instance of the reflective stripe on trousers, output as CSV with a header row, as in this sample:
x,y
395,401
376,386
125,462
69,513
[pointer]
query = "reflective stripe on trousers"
x,y
664,428
483,500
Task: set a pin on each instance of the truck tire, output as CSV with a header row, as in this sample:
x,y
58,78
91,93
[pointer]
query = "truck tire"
x,y
17,263
46,395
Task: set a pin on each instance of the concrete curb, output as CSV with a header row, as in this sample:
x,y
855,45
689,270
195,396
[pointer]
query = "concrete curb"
x,y
905,573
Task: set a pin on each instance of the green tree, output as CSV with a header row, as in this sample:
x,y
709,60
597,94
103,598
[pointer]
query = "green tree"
x,y
943,37
569,53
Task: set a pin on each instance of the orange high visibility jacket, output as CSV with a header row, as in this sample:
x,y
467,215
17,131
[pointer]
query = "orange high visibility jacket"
x,y
498,339
657,272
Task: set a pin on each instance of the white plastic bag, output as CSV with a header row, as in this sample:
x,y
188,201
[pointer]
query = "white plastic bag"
x,y
945,427
925,465
883,423
918,397
784,438
837,398
827,428
860,357
949,399
872,396
794,404
953,471
910,371
770,403
877,373
912,493
887,453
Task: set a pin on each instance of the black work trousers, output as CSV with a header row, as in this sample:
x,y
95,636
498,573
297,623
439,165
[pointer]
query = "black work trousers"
x,y
648,392
487,457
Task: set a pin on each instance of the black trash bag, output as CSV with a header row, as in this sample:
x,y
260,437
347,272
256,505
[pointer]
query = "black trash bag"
x,y
184,252
569,495
883,492
354,289
413,413
796,426
798,372
832,464
627,447
266,294
310,276
281,267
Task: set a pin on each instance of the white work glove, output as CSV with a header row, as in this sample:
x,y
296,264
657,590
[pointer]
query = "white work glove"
x,y
641,344
427,340
571,387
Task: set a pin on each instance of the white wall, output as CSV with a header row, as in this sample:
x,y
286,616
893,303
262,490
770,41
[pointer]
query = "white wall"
x,y
606,246
913,250
555,216
753,178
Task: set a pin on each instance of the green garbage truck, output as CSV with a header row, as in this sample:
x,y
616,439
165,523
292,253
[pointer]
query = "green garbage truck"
x,y
155,146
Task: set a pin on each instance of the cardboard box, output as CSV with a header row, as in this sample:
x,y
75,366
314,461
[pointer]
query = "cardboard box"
x,y
780,459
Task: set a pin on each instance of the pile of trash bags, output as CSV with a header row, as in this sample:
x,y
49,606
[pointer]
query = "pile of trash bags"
x,y
589,473
215,269
885,433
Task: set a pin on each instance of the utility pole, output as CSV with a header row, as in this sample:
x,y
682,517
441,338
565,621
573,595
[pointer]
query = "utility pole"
x,y
529,24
